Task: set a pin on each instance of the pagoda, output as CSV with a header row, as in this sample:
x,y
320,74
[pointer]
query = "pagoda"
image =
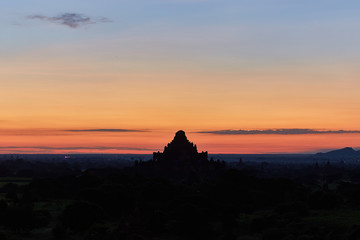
x,y
180,152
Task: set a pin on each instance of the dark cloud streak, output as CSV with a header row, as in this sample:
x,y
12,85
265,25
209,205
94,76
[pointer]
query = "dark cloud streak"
x,y
72,20
104,130
282,131
74,148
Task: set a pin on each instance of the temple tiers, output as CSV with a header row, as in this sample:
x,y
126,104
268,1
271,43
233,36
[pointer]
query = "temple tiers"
x,y
179,158
180,152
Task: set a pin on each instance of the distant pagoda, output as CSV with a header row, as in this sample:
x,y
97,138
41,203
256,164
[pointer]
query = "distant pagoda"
x,y
180,152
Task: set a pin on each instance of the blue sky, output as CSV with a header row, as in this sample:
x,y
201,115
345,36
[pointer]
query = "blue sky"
x,y
261,32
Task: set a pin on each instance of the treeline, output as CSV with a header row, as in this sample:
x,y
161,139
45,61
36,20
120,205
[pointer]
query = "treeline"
x,y
54,167
231,205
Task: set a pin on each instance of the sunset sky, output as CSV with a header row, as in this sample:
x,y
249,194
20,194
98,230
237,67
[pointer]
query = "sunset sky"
x,y
122,76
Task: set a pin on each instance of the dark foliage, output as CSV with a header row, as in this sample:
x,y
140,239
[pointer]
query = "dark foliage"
x,y
133,203
79,216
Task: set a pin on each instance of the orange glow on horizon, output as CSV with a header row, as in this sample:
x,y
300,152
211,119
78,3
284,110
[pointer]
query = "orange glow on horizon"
x,y
64,142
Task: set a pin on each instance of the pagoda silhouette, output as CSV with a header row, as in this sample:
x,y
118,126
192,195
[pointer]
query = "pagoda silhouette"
x,y
180,152
179,159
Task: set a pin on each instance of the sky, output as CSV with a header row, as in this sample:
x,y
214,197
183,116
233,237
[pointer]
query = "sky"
x,y
120,76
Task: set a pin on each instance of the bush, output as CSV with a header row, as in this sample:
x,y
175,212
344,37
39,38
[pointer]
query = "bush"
x,y
80,216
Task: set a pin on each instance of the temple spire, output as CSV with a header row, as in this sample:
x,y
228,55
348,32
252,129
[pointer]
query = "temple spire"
x,y
180,151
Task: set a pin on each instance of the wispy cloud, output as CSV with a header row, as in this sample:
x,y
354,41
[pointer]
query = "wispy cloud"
x,y
282,131
73,148
17,151
72,20
59,132
105,130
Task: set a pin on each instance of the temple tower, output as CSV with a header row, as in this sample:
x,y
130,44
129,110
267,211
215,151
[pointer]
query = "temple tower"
x,y
180,152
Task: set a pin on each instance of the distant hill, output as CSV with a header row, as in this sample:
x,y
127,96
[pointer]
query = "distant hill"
x,y
344,152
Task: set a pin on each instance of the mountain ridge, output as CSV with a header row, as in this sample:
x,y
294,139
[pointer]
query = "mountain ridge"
x,y
347,151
